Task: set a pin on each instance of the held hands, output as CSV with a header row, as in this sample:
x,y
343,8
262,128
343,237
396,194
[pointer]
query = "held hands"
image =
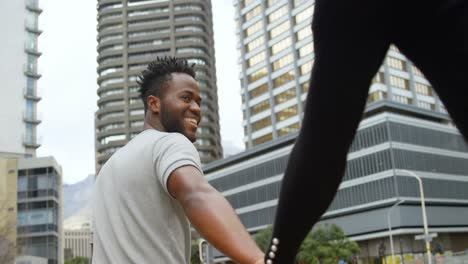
x,y
260,261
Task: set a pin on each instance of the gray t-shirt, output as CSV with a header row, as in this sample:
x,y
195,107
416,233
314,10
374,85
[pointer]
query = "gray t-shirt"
x,y
136,220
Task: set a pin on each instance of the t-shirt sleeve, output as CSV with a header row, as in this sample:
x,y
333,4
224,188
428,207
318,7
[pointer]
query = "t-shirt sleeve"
x,y
171,152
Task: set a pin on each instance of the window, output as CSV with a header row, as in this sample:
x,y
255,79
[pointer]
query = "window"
x,y
376,96
260,107
304,15
191,50
111,81
190,28
305,87
278,30
281,45
286,113
254,28
425,105
262,72
285,96
278,13
189,17
306,50
112,103
262,123
31,41
272,2
138,123
282,79
399,82
252,13
143,12
137,112
112,126
401,99
31,20
422,89
282,62
108,139
143,2
109,16
148,43
396,63
137,55
417,72
197,61
110,37
152,21
288,129
116,114
262,139
258,91
299,2
257,58
303,33
143,33
188,7
255,43
111,92
189,38
245,3
306,67
112,48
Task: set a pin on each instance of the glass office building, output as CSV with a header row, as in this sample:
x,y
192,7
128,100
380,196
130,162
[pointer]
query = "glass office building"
x,y
276,55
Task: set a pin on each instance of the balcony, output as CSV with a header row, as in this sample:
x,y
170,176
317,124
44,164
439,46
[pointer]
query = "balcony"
x,y
30,70
31,118
32,49
31,142
31,94
33,5
33,28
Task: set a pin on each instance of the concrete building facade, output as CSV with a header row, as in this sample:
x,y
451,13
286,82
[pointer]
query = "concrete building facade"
x,y
78,241
8,210
276,55
131,33
385,145
19,74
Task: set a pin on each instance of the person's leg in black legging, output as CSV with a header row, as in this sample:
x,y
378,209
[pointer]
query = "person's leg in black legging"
x,y
349,52
437,43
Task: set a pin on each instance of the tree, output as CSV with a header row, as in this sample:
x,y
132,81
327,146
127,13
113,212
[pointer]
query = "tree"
x,y
8,243
195,253
263,237
325,244
77,260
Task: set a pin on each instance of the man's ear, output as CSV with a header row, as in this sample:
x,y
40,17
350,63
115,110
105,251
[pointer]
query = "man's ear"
x,y
154,104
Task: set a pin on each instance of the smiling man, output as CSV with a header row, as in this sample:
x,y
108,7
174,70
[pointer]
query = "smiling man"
x,y
149,189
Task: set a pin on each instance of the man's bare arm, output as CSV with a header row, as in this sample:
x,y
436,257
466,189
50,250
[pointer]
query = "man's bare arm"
x,y
212,215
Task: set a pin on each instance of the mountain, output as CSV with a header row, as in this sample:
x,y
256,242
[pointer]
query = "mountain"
x,y
76,196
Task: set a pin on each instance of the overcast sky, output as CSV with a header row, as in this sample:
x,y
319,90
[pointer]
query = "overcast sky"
x,y
68,84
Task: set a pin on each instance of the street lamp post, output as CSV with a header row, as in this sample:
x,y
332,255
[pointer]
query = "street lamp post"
x,y
390,228
424,214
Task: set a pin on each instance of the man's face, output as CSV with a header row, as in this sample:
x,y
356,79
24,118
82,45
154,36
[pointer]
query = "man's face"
x,y
180,106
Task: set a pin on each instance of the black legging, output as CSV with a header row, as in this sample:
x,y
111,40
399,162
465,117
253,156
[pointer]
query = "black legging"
x,y
351,39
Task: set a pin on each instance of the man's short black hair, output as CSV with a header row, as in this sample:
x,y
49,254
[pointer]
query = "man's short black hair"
x,y
158,72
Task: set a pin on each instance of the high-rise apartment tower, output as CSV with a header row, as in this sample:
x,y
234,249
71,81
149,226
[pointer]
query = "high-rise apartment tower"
x,y
276,56
131,33
19,75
